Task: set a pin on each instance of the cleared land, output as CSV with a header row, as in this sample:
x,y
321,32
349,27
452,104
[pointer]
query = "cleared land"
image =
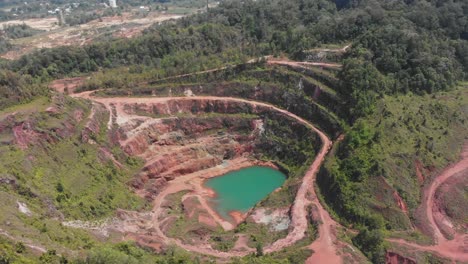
x,y
126,26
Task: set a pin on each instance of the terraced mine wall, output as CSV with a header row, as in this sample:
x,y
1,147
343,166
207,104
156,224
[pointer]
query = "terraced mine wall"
x,y
193,135
294,101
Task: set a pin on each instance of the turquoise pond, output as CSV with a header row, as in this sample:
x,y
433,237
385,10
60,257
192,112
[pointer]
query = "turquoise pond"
x,y
240,190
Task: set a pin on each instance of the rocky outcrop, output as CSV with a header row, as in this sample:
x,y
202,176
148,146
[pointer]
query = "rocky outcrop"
x,y
195,139
192,146
174,107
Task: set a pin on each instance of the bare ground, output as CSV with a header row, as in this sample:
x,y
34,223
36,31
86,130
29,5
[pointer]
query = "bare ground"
x,y
124,26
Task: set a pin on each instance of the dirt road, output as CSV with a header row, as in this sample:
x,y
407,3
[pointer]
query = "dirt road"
x,y
428,199
456,248
299,220
302,64
31,246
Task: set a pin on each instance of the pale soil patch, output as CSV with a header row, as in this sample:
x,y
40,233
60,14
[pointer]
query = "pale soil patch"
x,y
23,208
49,23
79,35
27,244
277,220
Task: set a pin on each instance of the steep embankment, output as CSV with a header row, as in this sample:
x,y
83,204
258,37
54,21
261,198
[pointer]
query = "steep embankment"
x,y
57,164
455,248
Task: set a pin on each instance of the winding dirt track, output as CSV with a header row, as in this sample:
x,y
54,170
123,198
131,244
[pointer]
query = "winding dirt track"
x,y
457,248
303,63
324,246
31,246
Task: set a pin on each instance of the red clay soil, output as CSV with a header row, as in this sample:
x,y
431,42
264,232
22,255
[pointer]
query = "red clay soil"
x,y
418,166
450,210
395,258
24,135
396,196
401,204
455,249
241,243
324,246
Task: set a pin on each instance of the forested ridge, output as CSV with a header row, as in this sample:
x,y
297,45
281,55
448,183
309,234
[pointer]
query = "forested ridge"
x,y
417,46
399,77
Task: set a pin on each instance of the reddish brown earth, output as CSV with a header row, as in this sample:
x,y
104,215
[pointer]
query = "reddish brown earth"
x,y
450,209
399,201
396,196
23,129
457,248
241,244
395,258
25,135
123,117
419,167
67,85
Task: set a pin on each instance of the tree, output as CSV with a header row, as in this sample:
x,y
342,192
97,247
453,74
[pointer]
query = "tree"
x,y
372,244
259,248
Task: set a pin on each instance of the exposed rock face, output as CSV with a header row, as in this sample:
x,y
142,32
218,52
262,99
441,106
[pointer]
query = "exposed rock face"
x,y
395,258
24,135
177,146
181,137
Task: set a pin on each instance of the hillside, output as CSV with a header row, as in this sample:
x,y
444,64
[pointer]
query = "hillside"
x,y
363,105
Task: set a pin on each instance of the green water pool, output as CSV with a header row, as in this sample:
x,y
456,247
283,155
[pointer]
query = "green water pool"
x,y
240,190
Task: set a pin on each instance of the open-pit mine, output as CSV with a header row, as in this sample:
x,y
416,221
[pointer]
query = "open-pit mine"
x,y
186,140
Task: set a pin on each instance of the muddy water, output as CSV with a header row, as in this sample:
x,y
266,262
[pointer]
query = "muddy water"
x,y
241,190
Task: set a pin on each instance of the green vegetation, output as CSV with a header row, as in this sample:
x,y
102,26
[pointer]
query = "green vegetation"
x,y
280,141
16,9
380,152
371,242
19,31
56,177
16,88
396,99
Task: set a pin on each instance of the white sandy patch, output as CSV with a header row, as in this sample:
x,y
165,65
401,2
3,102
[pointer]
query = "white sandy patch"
x,y
277,220
23,208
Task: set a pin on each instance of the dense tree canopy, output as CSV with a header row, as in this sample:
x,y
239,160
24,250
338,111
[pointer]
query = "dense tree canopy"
x,y
419,46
